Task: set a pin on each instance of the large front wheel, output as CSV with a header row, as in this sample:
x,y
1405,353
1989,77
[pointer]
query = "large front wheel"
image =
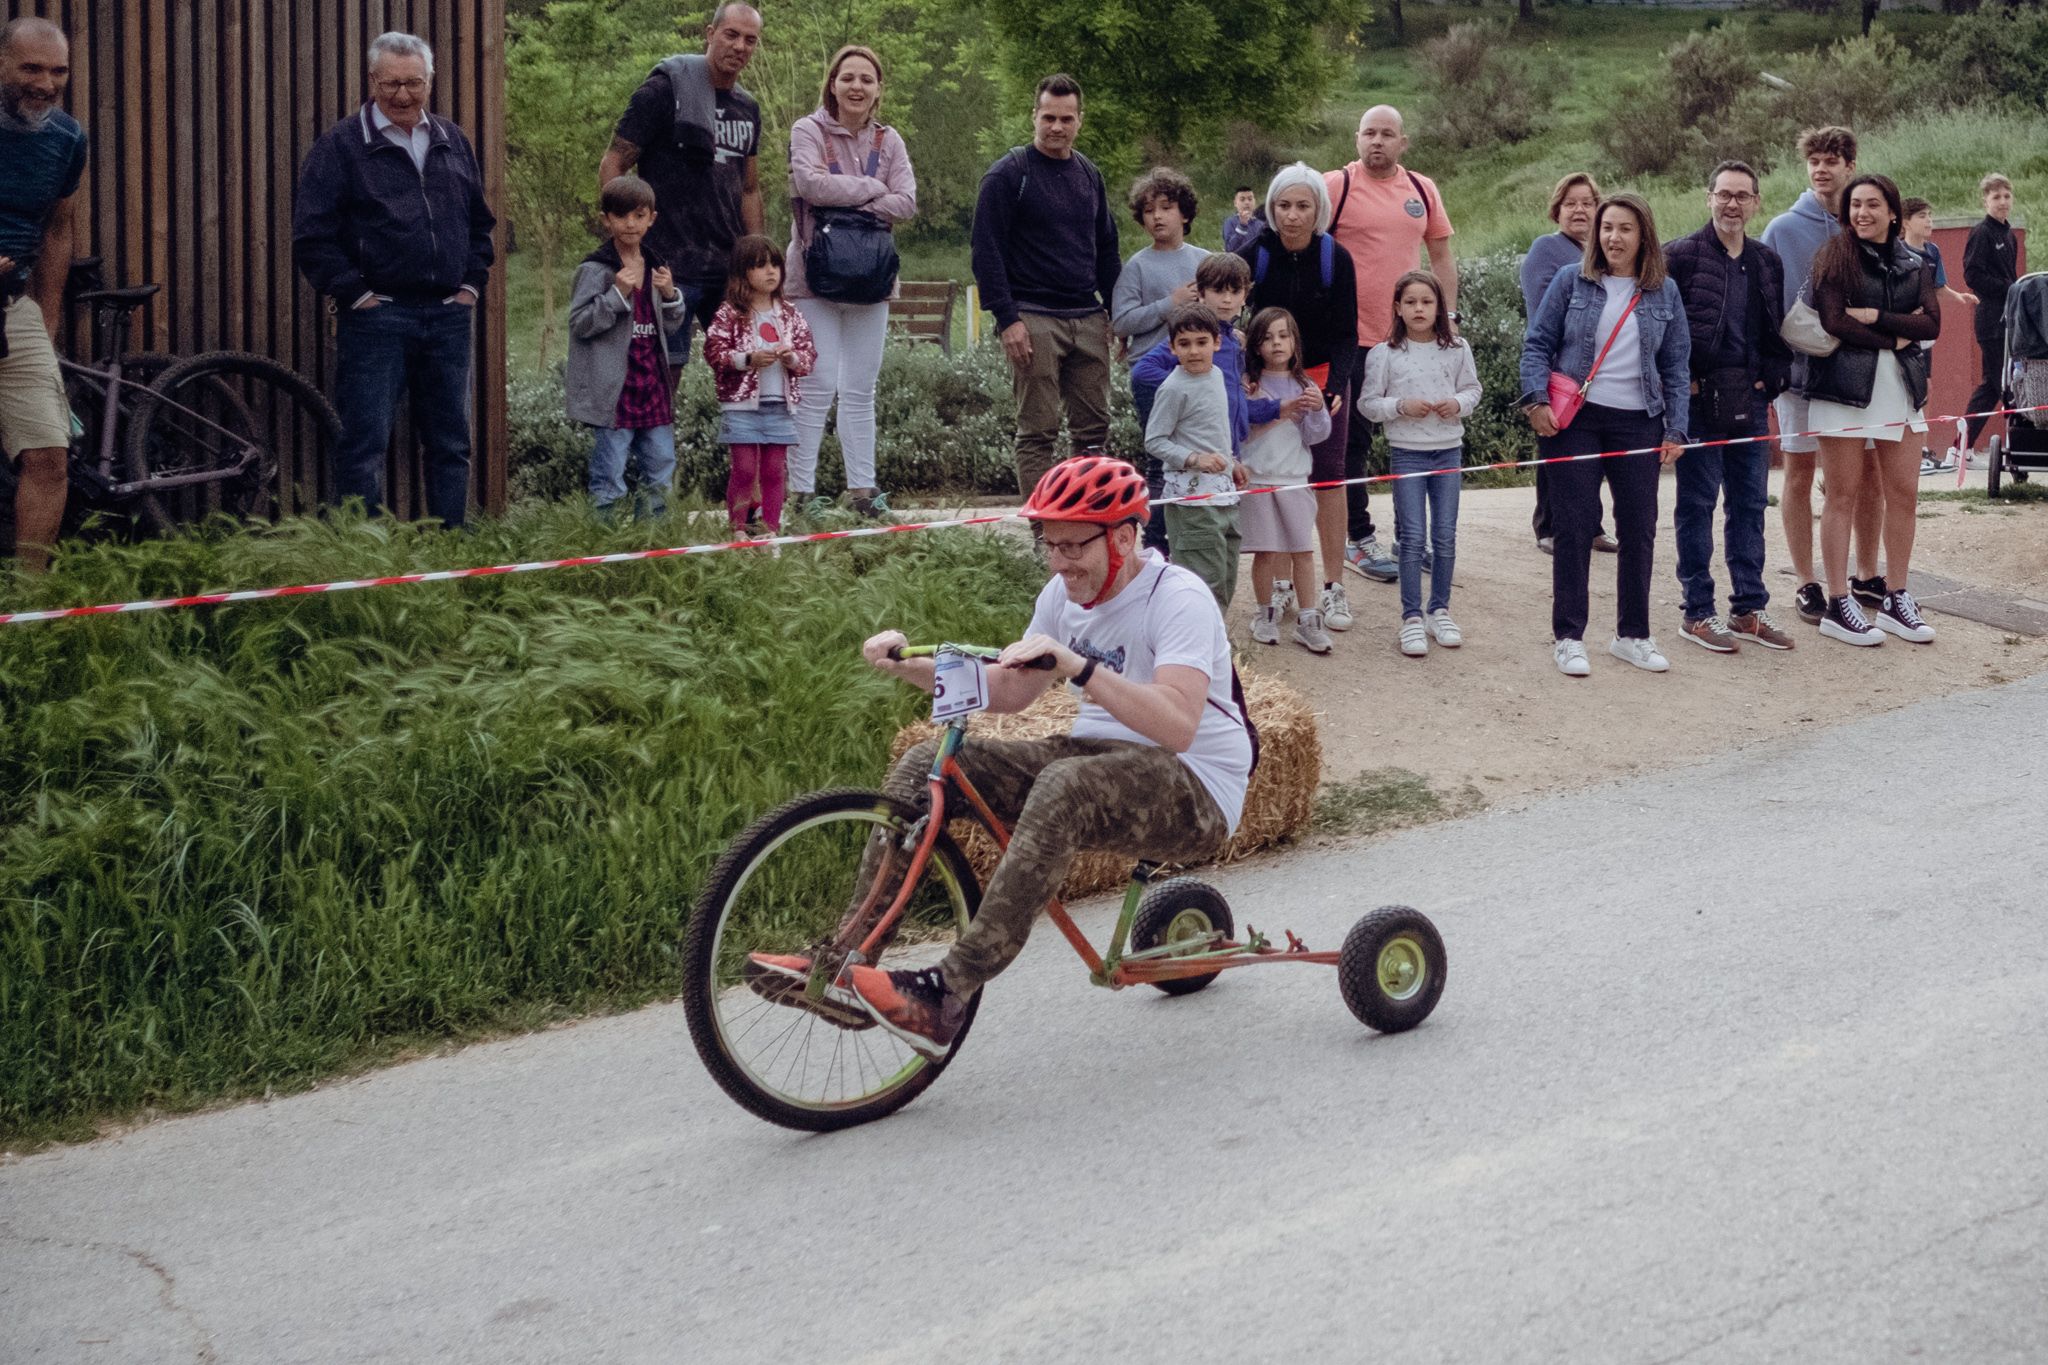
x,y
807,882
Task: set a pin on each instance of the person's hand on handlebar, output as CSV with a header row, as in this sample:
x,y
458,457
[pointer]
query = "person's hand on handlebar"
x,y
1066,663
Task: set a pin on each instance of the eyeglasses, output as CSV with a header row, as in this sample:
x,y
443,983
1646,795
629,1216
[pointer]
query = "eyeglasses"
x,y
415,86
1738,197
1073,549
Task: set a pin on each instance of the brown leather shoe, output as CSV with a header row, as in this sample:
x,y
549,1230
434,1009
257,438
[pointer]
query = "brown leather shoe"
x,y
1758,628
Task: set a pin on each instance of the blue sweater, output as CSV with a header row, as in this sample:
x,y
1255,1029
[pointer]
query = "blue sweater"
x,y
1547,255
1245,413
1797,235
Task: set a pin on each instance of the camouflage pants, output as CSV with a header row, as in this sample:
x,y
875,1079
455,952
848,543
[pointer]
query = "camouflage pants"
x,y
1062,796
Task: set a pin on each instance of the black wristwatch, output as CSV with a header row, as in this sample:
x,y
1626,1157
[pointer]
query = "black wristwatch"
x,y
1081,678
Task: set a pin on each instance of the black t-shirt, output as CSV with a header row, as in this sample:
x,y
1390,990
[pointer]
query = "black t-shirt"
x,y
696,198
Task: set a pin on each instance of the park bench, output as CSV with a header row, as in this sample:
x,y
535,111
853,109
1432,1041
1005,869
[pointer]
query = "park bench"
x,y
924,312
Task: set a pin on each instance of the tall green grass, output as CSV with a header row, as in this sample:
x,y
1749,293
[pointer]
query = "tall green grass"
x,y
242,847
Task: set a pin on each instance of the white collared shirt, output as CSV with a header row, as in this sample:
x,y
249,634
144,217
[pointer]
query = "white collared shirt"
x,y
415,142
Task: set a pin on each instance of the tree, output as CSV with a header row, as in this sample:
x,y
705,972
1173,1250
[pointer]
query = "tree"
x,y
1162,76
569,70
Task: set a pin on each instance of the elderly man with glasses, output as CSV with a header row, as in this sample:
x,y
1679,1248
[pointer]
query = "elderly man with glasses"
x,y
1734,289
390,224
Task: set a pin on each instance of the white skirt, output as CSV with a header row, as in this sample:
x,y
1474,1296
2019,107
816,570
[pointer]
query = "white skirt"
x,y
1885,418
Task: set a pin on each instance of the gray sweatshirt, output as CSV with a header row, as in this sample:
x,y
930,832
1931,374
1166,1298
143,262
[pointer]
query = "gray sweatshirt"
x,y
1419,370
1191,416
1139,307
600,334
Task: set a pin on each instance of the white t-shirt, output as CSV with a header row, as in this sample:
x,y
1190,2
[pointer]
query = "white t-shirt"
x,y
767,335
1619,384
1165,615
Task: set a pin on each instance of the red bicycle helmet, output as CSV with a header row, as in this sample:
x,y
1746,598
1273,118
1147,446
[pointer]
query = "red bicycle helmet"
x,y
1091,488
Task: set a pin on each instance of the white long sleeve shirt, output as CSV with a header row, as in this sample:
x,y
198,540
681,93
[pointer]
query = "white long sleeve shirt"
x,y
1422,370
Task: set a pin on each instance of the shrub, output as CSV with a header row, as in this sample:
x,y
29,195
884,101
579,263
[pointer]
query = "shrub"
x,y
1490,298
1675,121
1482,93
1993,56
944,425
245,846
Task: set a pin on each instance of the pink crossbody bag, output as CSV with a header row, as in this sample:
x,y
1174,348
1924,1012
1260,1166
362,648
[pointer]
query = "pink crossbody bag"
x,y
1568,395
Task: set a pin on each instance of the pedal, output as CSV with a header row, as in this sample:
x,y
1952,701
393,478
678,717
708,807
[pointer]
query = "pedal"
x,y
784,988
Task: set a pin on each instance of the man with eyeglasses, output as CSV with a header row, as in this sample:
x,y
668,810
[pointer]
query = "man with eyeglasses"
x,y
390,224
1733,289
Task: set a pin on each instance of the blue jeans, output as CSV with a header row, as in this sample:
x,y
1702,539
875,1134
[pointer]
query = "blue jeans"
x,y
652,451
700,305
382,353
1743,471
1426,506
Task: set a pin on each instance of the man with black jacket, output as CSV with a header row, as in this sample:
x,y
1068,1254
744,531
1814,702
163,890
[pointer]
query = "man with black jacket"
x,y
1734,289
1045,258
390,224
1991,262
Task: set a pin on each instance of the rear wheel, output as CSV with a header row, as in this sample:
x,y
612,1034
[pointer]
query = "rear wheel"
x,y
1182,910
1996,459
1391,970
223,419
808,881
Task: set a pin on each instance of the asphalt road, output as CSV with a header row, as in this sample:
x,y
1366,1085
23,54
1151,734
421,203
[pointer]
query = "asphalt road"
x,y
1745,1062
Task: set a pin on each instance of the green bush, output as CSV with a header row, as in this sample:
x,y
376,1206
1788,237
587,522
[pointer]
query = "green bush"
x,y
1471,57
944,425
243,847
1490,298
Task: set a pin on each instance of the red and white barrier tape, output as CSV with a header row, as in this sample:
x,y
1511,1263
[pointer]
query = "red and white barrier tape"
x,y
212,599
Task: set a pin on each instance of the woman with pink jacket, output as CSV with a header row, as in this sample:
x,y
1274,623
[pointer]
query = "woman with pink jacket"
x,y
841,157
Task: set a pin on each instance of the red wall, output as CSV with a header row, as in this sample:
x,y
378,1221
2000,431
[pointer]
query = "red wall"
x,y
1956,364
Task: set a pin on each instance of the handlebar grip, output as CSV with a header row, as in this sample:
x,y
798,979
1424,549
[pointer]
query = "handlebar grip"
x,y
896,653
1042,662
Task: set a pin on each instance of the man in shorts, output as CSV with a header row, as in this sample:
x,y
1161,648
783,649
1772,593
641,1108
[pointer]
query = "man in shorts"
x,y
43,150
1156,765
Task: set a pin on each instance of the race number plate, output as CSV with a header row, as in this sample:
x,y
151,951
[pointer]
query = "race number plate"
x,y
959,686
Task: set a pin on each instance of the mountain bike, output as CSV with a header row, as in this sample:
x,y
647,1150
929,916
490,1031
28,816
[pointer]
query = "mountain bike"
x,y
860,877
167,439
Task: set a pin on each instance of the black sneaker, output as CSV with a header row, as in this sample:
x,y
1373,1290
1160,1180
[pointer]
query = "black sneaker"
x,y
915,1006
1811,603
1868,591
1846,622
1900,615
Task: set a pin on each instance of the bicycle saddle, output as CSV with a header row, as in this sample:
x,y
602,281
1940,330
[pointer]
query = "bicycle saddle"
x,y
134,294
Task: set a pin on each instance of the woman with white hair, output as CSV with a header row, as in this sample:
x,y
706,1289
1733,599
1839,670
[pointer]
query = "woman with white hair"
x,y
1298,266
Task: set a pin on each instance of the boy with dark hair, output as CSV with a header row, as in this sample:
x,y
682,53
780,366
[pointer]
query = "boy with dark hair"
x,y
1221,283
1241,229
618,381
1190,433
1156,281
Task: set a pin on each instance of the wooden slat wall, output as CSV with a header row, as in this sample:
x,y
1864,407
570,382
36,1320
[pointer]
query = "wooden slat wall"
x,y
200,112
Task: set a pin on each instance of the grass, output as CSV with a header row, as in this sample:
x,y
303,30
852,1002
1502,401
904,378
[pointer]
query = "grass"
x,y
1975,499
1384,799
246,847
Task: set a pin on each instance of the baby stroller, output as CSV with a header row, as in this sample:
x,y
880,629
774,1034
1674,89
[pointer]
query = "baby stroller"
x,y
2024,447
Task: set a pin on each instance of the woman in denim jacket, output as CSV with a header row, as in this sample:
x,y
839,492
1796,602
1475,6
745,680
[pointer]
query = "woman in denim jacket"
x,y
1637,401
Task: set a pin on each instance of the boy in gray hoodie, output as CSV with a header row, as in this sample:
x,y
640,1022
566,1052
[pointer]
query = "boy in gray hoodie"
x,y
617,380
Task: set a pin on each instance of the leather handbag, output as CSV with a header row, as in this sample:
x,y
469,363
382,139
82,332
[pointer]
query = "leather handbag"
x,y
851,257
1802,328
1568,395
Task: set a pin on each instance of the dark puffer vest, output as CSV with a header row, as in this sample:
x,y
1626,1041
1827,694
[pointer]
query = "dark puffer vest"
x,y
1895,281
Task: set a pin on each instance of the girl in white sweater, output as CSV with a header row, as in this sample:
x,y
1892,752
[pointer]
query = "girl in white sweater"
x,y
1421,383
1280,527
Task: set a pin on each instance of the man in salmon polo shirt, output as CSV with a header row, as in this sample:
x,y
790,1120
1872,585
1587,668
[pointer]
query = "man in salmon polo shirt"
x,y
1387,217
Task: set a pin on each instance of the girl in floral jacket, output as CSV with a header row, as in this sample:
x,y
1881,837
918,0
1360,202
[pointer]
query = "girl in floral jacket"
x,y
758,347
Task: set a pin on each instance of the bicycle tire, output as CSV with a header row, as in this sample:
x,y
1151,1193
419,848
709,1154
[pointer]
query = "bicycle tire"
x,y
901,1075
165,437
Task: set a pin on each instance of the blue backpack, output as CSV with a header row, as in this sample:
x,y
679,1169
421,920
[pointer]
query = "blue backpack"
x,y
1260,260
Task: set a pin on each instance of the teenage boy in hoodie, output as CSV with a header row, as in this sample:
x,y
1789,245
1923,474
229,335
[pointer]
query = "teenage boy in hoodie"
x,y
1797,235
618,381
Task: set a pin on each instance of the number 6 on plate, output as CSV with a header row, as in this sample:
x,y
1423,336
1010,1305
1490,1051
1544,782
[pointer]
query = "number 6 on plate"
x,y
959,685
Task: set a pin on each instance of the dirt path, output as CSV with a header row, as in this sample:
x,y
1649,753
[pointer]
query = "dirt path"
x,y
1495,720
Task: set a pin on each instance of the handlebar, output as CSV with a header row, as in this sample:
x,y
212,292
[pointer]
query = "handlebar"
x,y
982,652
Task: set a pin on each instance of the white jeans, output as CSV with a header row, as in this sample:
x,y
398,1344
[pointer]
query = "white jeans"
x,y
849,339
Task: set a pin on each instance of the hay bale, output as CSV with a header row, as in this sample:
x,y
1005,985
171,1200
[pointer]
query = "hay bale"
x,y
1276,808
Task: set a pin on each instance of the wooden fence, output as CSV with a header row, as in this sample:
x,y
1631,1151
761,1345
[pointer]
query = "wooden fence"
x,y
200,112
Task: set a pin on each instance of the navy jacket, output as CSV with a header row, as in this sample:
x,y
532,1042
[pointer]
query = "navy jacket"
x,y
365,221
1705,275
1565,335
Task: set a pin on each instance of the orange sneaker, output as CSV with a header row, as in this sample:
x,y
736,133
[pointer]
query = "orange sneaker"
x,y
782,979
915,1006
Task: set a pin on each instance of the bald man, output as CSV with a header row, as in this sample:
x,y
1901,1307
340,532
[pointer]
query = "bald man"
x,y
43,149
1388,217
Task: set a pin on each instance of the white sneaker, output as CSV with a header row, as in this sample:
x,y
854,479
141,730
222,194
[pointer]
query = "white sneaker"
x,y
1335,607
1285,599
1309,633
1642,653
1266,625
1444,630
1414,638
1571,658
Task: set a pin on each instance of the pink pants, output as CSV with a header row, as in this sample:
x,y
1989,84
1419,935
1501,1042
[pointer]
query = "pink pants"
x,y
750,463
